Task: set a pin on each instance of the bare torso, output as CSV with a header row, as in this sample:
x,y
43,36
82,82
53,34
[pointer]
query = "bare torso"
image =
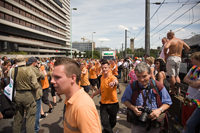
x,y
175,49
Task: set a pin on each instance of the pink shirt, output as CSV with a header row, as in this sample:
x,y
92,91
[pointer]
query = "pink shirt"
x,y
132,76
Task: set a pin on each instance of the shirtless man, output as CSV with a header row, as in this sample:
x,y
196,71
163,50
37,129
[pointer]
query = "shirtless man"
x,y
175,47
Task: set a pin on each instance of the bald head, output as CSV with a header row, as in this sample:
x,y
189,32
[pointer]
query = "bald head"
x,y
170,35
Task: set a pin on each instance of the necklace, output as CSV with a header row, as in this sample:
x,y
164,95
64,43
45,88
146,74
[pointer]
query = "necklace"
x,y
192,75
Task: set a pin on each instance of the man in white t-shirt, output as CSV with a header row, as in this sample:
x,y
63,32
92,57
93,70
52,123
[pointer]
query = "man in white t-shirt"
x,y
164,42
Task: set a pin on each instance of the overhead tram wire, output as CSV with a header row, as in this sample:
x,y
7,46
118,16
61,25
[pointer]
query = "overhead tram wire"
x,y
169,16
175,19
187,25
150,18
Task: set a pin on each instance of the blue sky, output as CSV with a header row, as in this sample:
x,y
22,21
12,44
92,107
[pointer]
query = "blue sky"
x,y
110,18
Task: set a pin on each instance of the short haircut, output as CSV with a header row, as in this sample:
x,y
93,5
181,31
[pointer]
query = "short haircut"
x,y
196,55
105,62
162,64
71,67
150,59
4,57
142,67
170,33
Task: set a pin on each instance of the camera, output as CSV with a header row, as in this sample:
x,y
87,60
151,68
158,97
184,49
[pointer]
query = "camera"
x,y
145,112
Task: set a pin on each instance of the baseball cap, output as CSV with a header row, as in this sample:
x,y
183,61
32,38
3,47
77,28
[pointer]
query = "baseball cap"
x,y
31,60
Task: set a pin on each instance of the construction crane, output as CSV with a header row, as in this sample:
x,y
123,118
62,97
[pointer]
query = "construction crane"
x,y
85,39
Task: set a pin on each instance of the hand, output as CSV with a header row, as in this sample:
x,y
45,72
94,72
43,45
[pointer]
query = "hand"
x,y
190,104
136,111
92,96
112,84
1,116
155,114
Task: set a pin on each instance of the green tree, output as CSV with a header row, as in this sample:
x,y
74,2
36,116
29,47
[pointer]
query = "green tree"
x,y
67,53
79,54
75,54
96,54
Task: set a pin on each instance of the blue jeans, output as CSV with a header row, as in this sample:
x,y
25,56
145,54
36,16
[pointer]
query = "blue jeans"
x,y
37,115
193,121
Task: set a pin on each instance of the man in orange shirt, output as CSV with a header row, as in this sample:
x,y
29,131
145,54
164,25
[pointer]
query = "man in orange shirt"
x,y
45,89
93,76
84,77
109,105
80,113
114,70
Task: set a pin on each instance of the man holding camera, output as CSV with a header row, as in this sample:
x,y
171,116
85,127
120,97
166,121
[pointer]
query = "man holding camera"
x,y
148,99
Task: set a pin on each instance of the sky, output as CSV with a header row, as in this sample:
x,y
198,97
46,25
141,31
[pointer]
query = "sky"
x,y
109,19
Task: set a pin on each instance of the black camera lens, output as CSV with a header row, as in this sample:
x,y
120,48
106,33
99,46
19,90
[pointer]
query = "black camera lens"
x,y
145,113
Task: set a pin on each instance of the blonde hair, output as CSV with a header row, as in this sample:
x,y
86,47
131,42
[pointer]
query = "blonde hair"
x,y
196,55
150,59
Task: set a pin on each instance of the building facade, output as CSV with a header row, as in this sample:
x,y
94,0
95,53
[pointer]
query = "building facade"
x,y
83,46
102,49
35,27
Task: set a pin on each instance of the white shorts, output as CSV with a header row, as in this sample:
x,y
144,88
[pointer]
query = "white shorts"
x,y
173,65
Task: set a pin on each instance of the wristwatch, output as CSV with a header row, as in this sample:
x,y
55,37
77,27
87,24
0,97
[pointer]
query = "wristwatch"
x,y
161,110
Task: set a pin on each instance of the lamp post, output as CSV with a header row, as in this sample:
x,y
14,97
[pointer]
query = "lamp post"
x,y
92,43
100,49
71,28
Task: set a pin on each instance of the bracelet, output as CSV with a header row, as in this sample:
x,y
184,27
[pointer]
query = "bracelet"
x,y
161,110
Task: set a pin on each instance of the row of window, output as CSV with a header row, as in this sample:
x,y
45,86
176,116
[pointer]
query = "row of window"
x,y
49,10
25,4
29,25
26,14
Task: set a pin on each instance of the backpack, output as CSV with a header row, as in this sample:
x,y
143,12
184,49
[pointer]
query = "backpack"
x,y
9,107
160,121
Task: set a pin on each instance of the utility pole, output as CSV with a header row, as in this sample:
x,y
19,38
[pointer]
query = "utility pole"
x,y
125,44
147,28
122,51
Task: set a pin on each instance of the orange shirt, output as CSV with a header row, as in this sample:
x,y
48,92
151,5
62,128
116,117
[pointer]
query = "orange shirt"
x,y
84,78
98,69
44,82
81,115
108,94
92,72
115,71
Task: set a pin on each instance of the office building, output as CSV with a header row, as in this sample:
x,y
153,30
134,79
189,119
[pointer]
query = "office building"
x,y
83,46
35,27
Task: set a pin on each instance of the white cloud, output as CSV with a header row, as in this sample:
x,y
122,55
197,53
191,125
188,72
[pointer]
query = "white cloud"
x,y
121,27
135,28
104,39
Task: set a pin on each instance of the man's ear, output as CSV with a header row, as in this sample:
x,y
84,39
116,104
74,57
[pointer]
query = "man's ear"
x,y
73,78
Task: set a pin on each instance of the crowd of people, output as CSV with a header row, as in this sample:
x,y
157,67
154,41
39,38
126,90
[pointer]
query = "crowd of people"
x,y
147,96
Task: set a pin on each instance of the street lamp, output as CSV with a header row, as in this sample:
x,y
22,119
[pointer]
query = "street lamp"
x,y
92,44
71,28
100,49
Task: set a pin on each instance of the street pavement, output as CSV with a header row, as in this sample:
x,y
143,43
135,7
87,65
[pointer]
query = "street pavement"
x,y
53,123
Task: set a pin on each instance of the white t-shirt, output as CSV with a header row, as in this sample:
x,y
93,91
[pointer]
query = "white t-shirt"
x,y
125,65
136,62
193,92
119,63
